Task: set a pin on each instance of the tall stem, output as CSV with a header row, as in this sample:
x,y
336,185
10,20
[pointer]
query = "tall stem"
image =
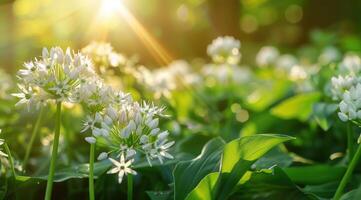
x,y
91,172
33,136
54,153
130,186
11,161
350,141
347,176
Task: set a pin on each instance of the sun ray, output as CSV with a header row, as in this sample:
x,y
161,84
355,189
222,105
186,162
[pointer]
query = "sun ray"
x,y
111,9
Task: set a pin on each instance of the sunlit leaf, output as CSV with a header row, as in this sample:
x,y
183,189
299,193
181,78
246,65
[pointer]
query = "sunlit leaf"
x,y
296,107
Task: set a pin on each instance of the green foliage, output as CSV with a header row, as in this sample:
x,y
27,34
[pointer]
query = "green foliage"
x,y
296,107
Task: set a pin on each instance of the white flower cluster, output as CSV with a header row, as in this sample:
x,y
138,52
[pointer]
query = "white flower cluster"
x,y
54,77
126,127
329,54
350,106
350,69
103,55
351,65
226,73
340,84
164,80
225,50
129,129
267,56
1,143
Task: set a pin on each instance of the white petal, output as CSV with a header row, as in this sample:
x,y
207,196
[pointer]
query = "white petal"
x,y
113,170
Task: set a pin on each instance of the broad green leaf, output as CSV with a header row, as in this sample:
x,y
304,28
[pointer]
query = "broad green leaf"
x,y
205,188
352,195
239,155
326,190
296,107
322,113
249,148
316,174
188,174
274,157
261,97
272,185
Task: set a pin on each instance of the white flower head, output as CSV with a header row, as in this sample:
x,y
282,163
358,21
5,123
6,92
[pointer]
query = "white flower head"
x,y
104,56
329,54
350,106
122,168
54,77
339,84
350,65
286,62
225,50
267,56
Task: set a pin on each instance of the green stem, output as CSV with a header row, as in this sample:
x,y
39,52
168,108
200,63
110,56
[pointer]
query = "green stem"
x,y
11,161
91,172
54,153
130,186
33,136
350,141
348,174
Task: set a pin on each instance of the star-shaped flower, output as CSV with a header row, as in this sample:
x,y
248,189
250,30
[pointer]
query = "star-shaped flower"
x,y
122,167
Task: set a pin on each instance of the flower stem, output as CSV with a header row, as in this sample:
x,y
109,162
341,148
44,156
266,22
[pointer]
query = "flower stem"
x,y
348,174
11,161
350,142
130,186
33,136
54,154
91,172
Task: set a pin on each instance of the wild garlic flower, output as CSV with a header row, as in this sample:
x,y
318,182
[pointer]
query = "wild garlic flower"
x,y
122,168
225,50
225,73
54,77
350,65
94,94
350,106
163,81
2,141
96,97
104,56
339,84
134,129
286,62
267,56
329,54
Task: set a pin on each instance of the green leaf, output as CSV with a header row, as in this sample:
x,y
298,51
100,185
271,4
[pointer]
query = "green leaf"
x,y
274,157
326,190
238,156
205,188
352,195
322,113
188,174
316,174
261,97
272,185
296,107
